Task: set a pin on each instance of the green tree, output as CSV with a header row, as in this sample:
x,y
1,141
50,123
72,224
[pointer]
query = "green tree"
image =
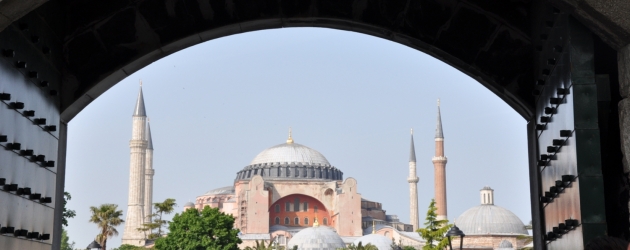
x,y
197,230
67,213
130,247
106,218
435,230
161,208
261,246
65,240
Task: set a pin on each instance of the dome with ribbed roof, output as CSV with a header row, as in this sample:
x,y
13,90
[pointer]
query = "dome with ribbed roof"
x,y
290,152
316,238
290,161
490,219
379,241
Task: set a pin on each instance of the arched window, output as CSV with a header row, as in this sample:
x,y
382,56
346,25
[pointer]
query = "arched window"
x,y
288,172
305,207
287,207
296,221
319,172
297,172
262,172
306,221
315,209
277,208
277,220
286,220
325,221
279,172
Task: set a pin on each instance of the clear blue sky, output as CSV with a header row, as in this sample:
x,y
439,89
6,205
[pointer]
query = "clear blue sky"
x,y
213,107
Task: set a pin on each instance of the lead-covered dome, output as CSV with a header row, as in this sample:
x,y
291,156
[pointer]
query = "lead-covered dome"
x,y
490,219
317,238
290,161
377,240
290,152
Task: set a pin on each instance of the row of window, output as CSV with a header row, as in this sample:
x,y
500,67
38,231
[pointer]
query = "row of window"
x,y
314,173
296,221
294,207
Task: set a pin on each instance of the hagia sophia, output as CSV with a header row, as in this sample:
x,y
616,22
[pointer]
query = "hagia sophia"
x,y
292,195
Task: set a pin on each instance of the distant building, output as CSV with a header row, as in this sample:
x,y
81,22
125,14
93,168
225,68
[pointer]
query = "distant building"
x,y
285,189
488,226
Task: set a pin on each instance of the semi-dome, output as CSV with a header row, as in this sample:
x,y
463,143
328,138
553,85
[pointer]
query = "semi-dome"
x,y
489,219
189,204
379,241
222,190
319,237
290,152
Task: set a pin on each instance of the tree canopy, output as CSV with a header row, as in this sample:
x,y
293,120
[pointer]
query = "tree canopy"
x,y
106,217
67,213
199,230
165,207
435,230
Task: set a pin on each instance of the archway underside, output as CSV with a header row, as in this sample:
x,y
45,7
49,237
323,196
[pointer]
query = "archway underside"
x,y
103,43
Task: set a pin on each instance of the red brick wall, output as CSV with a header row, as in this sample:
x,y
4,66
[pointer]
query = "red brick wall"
x,y
321,214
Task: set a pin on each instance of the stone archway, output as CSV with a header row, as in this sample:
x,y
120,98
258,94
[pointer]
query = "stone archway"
x,y
62,54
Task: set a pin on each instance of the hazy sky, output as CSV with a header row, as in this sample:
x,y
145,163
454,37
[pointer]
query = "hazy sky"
x,y
215,106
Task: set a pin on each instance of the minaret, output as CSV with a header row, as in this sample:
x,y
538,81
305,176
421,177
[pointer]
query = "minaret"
x,y
413,187
439,163
135,204
148,177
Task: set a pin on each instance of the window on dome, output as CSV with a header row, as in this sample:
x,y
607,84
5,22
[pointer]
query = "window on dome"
x,y
262,172
325,221
305,207
319,173
304,173
297,173
287,207
306,221
288,172
286,220
296,221
277,220
249,173
315,209
277,208
312,172
255,171
279,172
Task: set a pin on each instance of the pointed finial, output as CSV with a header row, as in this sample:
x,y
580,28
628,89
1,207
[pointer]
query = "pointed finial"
x,y
290,140
412,152
373,227
315,223
438,129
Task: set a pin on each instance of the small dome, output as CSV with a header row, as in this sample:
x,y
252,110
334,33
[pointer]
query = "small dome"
x,y
320,238
223,190
290,152
490,219
505,245
189,204
379,241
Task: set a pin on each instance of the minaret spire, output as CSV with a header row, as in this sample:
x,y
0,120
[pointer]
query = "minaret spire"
x,y
413,187
439,164
438,128
138,148
148,177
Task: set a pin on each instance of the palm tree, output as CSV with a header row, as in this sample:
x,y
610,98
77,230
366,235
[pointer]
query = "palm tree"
x,y
166,207
106,218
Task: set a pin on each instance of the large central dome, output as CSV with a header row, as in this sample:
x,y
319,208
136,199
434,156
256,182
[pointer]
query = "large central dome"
x,y
289,153
290,161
